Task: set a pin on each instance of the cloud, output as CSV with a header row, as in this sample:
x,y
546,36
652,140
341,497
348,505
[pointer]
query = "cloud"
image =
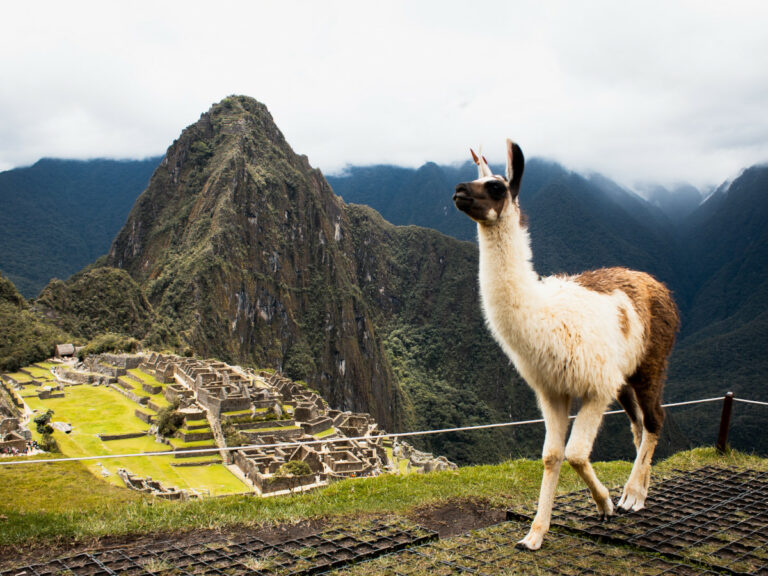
x,y
652,91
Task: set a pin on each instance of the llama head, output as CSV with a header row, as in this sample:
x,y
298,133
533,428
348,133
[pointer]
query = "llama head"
x,y
491,198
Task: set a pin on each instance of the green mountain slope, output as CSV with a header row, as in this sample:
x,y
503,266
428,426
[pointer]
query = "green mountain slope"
x,y
60,215
24,338
96,301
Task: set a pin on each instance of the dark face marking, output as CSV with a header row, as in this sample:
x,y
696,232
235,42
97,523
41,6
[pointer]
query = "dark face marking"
x,y
482,200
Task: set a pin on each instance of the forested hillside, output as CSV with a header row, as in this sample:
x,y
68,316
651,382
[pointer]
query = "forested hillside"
x,y
60,215
24,338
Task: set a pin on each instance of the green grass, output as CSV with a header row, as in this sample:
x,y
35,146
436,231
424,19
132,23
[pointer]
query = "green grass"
x,y
206,430
160,400
200,418
144,377
39,373
273,429
236,413
179,443
325,433
31,497
20,377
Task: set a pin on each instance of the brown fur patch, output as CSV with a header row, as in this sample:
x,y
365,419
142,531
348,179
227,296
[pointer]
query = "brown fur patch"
x,y
623,321
657,311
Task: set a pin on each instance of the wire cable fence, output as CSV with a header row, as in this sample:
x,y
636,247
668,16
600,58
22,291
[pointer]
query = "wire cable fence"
x,y
395,435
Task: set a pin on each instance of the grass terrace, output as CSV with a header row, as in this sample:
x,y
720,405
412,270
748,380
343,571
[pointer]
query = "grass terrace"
x,y
39,372
274,429
93,410
144,377
20,377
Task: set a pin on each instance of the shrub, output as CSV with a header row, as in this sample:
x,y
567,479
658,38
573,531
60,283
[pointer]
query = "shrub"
x,y
48,443
109,342
169,420
42,421
294,468
232,436
299,362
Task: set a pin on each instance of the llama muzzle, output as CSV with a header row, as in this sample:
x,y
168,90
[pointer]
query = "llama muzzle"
x,y
462,198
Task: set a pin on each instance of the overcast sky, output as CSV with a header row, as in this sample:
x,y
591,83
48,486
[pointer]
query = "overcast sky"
x,y
640,91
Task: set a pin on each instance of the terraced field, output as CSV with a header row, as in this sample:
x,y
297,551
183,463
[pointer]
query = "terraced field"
x,y
96,411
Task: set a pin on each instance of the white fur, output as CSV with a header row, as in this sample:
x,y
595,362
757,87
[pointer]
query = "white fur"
x,y
566,341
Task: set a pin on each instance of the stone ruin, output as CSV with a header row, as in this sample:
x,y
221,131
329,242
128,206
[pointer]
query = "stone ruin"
x,y
266,410
12,434
425,461
149,486
269,410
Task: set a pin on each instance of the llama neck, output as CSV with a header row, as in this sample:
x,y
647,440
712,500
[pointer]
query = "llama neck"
x,y
507,277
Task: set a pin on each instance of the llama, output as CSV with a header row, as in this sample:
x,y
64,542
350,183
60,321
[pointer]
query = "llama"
x,y
599,336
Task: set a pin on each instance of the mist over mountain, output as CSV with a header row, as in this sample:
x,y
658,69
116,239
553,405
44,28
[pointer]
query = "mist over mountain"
x,y
677,203
60,215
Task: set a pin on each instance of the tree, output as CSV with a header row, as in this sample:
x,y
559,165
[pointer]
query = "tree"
x,y
42,421
169,420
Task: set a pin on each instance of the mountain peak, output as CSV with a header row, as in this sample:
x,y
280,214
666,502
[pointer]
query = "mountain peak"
x,y
245,249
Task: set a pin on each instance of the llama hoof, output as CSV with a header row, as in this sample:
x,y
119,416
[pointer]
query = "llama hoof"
x,y
530,542
605,509
632,500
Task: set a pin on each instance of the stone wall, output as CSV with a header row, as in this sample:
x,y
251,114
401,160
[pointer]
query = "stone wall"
x,y
125,361
109,437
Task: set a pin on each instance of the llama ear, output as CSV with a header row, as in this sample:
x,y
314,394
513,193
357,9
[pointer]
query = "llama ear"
x,y
483,170
515,166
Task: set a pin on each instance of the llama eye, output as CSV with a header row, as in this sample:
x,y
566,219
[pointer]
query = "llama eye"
x,y
496,190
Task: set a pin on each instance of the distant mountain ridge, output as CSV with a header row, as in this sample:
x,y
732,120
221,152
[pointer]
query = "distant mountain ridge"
x,y
60,215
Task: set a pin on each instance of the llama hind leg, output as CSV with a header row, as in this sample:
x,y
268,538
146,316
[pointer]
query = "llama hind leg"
x,y
628,401
555,411
580,446
636,489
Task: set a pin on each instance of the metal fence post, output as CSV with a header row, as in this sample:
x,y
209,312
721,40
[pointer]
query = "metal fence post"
x,y
725,422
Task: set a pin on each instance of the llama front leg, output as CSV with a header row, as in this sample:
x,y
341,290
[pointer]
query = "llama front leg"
x,y
555,412
580,446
